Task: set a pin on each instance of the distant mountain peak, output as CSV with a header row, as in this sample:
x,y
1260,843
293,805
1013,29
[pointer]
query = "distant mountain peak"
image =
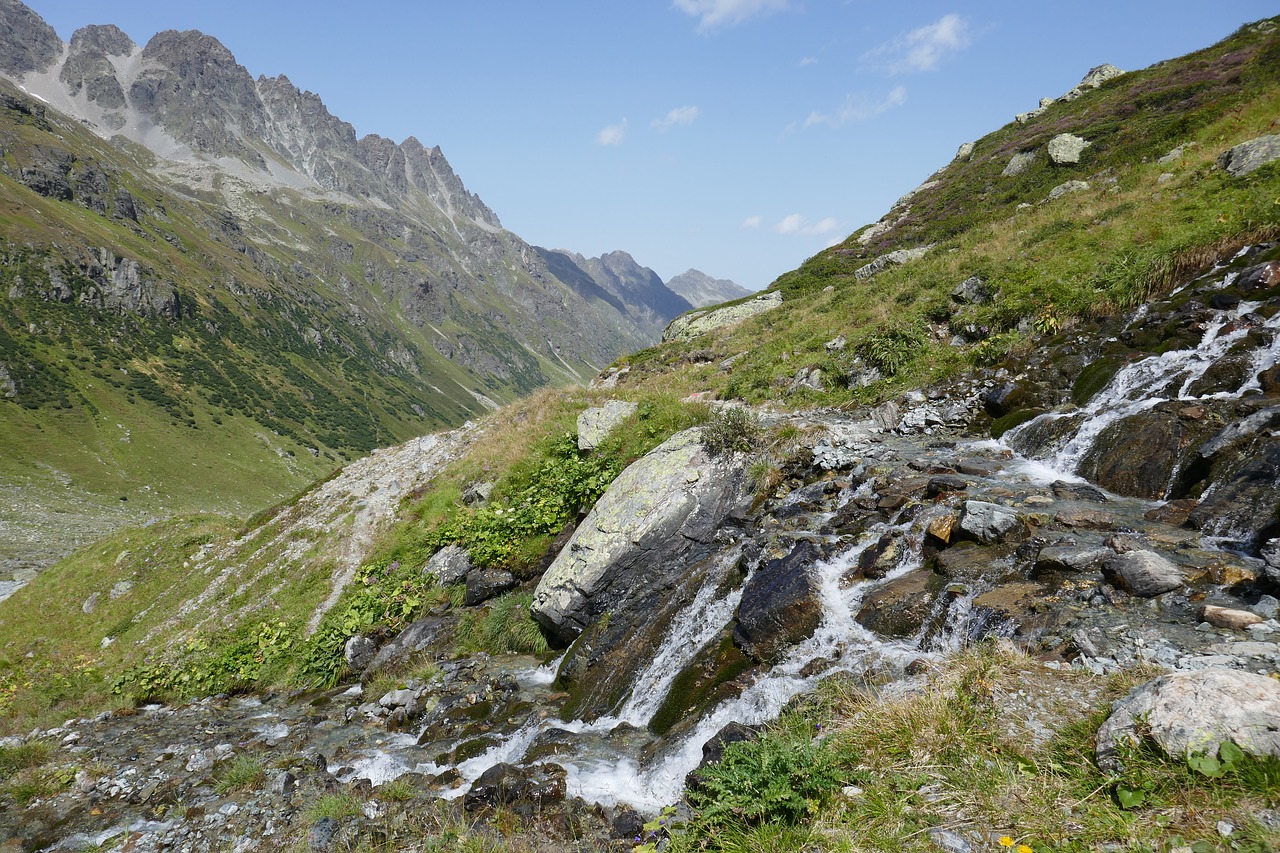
x,y
702,290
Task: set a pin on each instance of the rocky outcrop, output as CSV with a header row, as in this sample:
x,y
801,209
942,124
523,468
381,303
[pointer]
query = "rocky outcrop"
x,y
1194,713
1066,188
632,542
894,258
700,322
1250,156
1066,148
1019,163
27,43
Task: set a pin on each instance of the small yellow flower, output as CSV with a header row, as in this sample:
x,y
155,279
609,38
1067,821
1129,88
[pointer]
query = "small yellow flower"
x,y
1022,848
1006,841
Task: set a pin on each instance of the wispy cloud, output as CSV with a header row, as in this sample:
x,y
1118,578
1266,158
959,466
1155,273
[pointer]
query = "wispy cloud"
x,y
798,224
753,222
808,60
713,14
922,49
679,117
614,134
858,107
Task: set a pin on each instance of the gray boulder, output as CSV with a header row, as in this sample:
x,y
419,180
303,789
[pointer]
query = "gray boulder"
x,y
1069,559
899,256
807,378
484,584
450,565
1144,573
1249,156
987,522
1271,560
1065,148
1189,713
595,424
1097,75
972,291
358,652
886,416
1019,163
1066,189
779,605
632,541
699,322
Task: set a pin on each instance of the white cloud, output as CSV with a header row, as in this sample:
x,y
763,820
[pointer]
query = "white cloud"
x,y
858,107
679,117
798,224
614,134
808,60
719,13
753,222
923,49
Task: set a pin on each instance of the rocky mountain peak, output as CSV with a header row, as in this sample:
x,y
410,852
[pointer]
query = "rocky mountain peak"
x,y
27,43
89,68
702,290
106,39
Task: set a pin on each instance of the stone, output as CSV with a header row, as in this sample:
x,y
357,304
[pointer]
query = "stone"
x,y
1144,573
1077,492
1019,163
1066,148
699,322
1066,188
450,565
484,584
1094,79
91,603
595,424
477,494
886,416
419,636
944,483
358,652
1270,553
965,151
1225,617
942,527
972,291
987,522
320,835
1250,156
894,258
807,378
899,608
508,785
120,589
281,783
836,344
634,537
1069,559
779,605
1190,713
949,842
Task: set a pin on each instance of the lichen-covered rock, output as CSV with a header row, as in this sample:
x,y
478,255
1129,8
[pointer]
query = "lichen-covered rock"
x,y
1250,156
898,256
699,322
595,424
1189,713
987,522
1066,188
633,539
1019,163
1066,148
450,565
359,651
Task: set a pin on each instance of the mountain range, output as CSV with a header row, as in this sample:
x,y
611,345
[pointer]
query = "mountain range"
x,y
203,270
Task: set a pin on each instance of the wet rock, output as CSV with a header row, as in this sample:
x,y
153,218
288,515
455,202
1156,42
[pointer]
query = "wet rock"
x,y
1244,500
987,522
1077,492
450,565
419,636
1087,519
508,785
1069,559
627,824
1189,713
1144,573
1138,455
779,606
1270,552
945,483
879,559
899,608
595,424
970,561
358,652
484,584
1225,617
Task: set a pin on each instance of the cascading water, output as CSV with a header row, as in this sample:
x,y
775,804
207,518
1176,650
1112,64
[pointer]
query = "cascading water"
x,y
1147,382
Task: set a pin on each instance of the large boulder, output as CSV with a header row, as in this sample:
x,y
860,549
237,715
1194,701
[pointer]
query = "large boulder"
x,y
987,522
1066,148
595,424
779,605
1190,713
450,565
699,322
1248,156
1144,573
634,540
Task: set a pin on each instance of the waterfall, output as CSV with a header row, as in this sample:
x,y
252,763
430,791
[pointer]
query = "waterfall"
x,y
1149,381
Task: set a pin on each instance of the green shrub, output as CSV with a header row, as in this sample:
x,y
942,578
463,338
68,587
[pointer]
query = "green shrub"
x,y
891,350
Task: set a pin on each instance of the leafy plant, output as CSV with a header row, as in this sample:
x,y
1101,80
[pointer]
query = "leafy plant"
x,y
891,350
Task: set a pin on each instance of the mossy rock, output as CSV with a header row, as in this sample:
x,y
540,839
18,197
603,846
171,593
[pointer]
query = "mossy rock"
x,y
1002,425
700,685
1094,378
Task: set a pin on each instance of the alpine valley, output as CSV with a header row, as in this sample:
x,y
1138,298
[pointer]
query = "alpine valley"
x,y
963,536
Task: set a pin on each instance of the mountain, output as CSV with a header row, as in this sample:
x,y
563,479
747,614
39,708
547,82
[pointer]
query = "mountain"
x,y
702,290
203,271
985,520
621,281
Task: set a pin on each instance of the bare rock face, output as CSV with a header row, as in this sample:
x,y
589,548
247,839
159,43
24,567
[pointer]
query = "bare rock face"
x,y
89,69
1189,713
697,322
27,43
1249,156
595,424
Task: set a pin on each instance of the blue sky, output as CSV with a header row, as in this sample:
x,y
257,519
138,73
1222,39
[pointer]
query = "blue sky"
x,y
735,136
